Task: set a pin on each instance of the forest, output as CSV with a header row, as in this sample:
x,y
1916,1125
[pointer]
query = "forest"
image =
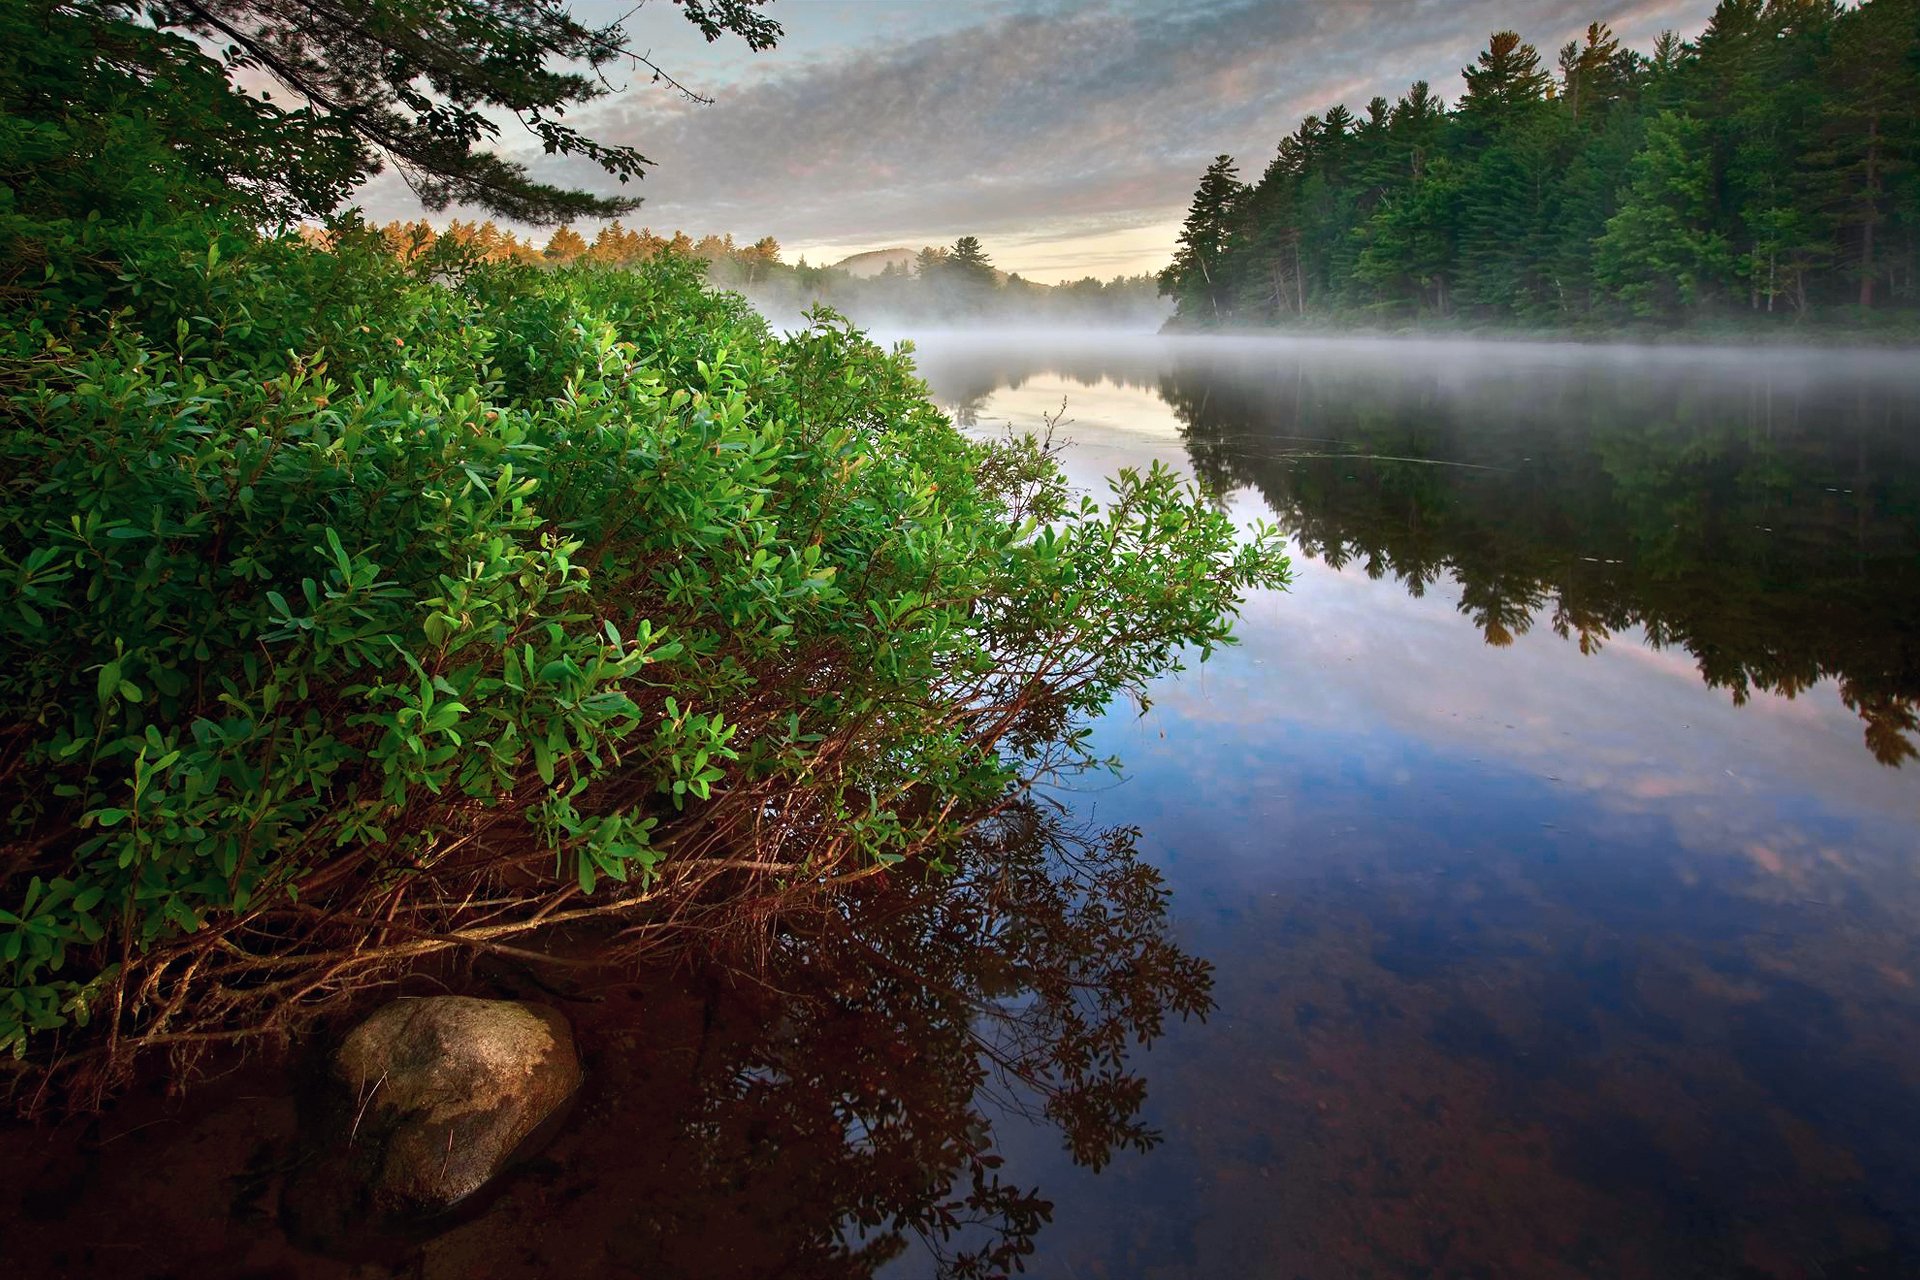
x,y
1763,173
940,285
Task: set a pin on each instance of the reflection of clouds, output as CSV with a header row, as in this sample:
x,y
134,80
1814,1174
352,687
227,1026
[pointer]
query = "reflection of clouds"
x,y
1632,724
1102,414
1662,788
1356,666
1521,952
1348,656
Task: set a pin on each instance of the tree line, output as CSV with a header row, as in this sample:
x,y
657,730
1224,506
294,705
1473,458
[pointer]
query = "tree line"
x,y
1764,169
614,245
960,285
941,284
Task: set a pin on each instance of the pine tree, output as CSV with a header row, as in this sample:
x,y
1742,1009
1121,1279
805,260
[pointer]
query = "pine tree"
x,y
760,258
1507,210
1775,164
1867,126
418,84
614,245
1589,195
1408,252
968,265
1263,264
929,262
1660,254
1204,239
1592,74
1418,119
1504,84
565,245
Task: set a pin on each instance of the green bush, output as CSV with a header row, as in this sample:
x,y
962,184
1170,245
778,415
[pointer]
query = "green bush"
x,y
339,593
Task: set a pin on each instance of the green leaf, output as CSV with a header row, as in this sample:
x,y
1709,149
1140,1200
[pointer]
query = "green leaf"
x,y
109,682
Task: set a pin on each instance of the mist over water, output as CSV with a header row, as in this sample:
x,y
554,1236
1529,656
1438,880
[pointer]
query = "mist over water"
x,y
929,300
1138,355
1552,837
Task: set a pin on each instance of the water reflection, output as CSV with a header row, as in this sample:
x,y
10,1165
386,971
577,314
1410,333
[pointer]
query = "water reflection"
x,y
1538,957
1761,513
823,1122
836,1123
1562,927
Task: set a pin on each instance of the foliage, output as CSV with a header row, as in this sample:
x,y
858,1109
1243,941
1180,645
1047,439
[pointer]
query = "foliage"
x,y
415,83
348,593
969,263
815,1127
1758,522
1660,253
1028,977
1766,167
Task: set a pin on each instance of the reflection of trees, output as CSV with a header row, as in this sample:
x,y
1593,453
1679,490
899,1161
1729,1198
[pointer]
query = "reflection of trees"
x,y
811,1125
1770,528
964,373
1775,537
835,1121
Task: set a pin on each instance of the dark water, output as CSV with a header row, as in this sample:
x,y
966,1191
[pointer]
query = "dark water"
x,y
1548,858
1556,839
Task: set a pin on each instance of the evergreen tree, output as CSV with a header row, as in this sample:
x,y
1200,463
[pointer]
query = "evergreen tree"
x,y
929,262
1589,195
1867,126
967,264
1772,166
1204,239
1660,252
1265,268
565,245
417,84
1408,246
1504,85
1593,74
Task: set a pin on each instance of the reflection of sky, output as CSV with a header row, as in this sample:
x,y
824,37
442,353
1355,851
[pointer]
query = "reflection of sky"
x,y
1530,962
1340,652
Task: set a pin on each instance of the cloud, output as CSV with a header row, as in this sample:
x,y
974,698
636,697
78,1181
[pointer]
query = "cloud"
x,y
1037,121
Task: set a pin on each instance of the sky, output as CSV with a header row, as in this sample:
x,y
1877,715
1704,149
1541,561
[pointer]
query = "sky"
x,y
1067,135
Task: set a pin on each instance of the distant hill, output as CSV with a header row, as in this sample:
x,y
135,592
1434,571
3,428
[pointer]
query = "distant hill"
x,y
862,266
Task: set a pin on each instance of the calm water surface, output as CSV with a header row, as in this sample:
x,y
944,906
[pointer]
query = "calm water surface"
x,y
1556,838
1554,844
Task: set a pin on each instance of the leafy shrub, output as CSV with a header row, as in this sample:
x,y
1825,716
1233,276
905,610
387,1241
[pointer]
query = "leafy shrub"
x,y
359,610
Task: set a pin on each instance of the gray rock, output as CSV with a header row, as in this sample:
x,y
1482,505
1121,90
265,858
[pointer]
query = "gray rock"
x,y
445,1090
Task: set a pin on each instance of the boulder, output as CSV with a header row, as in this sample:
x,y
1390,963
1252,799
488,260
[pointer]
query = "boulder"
x,y
444,1091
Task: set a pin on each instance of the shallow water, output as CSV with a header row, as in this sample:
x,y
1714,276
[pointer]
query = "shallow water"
x,y
1554,845
1556,838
